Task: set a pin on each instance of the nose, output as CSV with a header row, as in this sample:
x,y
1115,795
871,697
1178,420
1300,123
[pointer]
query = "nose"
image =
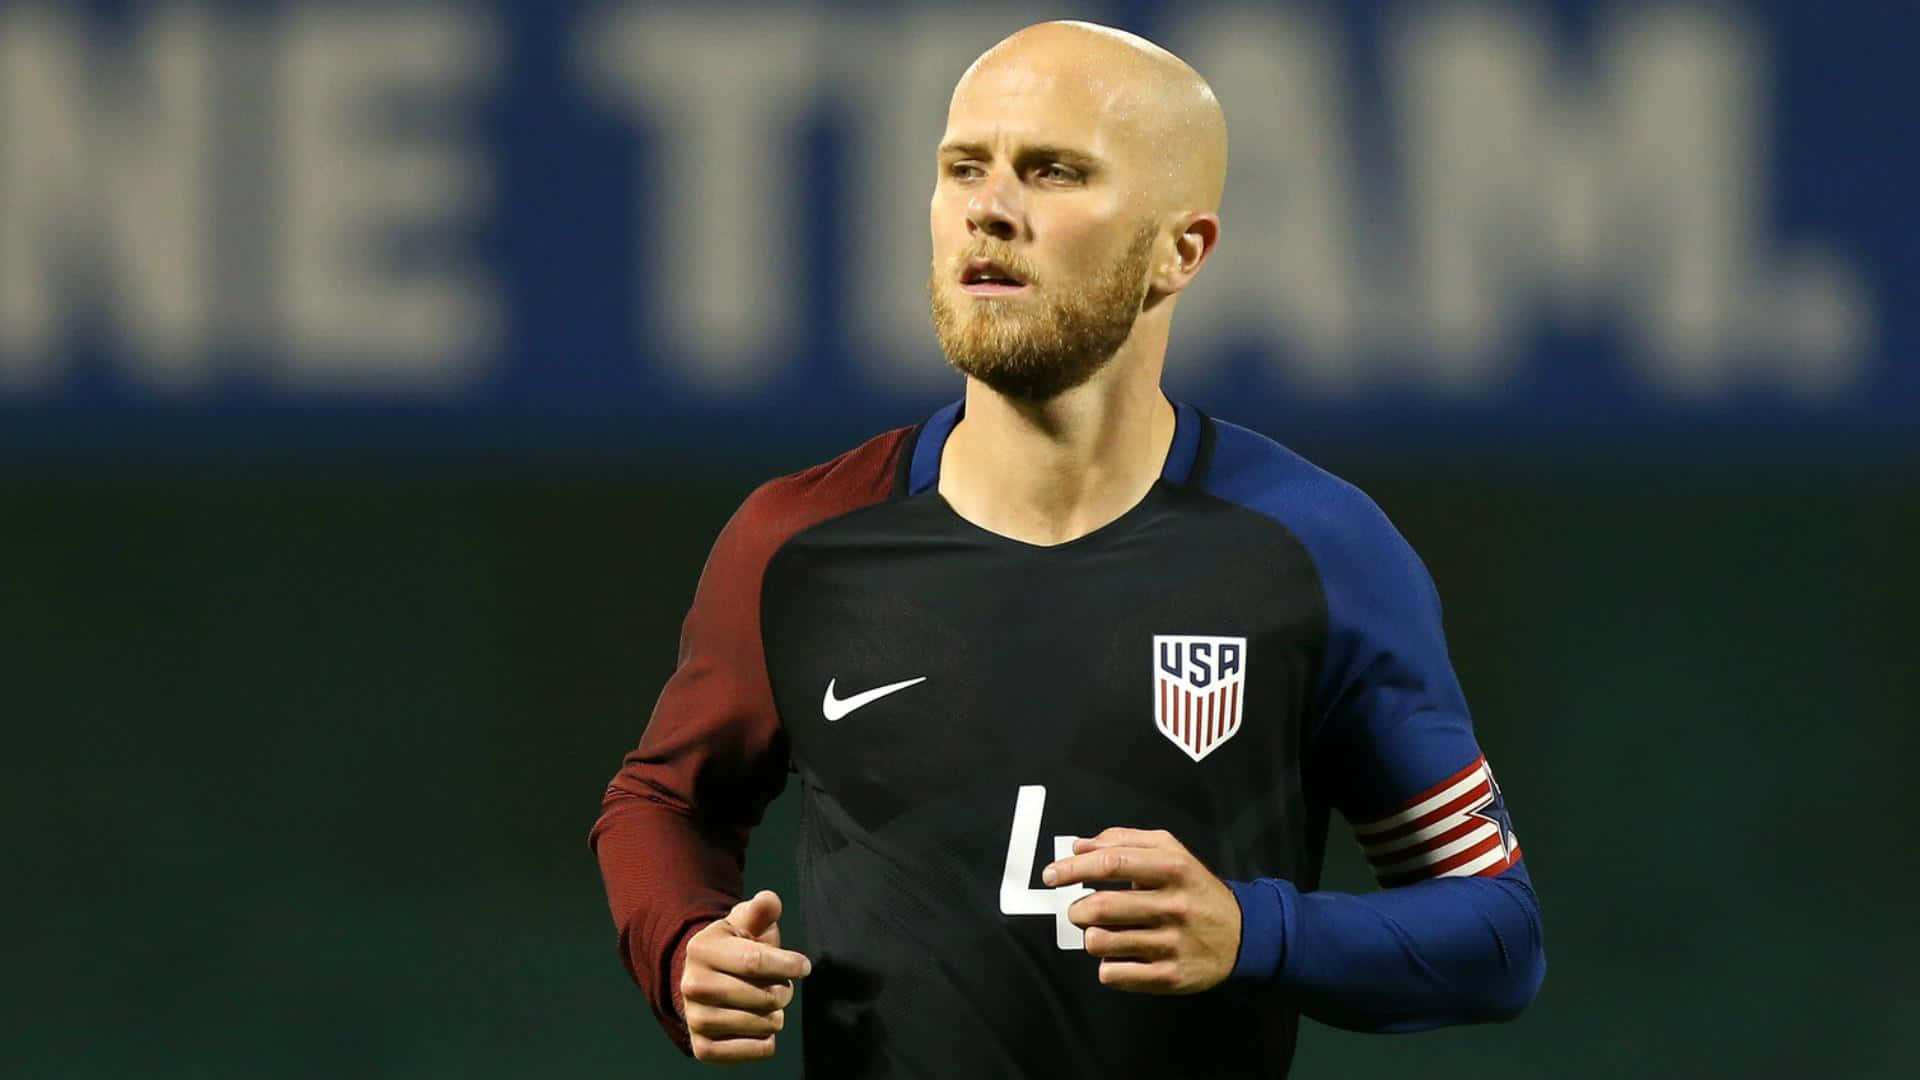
x,y
992,209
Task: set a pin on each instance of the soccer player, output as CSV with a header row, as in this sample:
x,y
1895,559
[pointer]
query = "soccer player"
x,y
1071,676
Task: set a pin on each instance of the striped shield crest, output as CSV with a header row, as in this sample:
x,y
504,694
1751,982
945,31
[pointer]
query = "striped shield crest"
x,y
1198,688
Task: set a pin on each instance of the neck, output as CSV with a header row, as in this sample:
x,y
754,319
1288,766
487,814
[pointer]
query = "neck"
x,y
1053,471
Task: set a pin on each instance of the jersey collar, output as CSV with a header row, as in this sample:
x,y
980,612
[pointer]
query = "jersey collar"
x,y
1186,458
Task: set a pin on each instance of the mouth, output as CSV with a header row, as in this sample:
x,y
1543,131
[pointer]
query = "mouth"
x,y
984,277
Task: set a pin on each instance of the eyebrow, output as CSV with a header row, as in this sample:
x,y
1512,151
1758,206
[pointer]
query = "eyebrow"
x,y
1067,155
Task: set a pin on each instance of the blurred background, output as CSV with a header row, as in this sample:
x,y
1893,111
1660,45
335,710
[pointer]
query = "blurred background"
x,y
374,376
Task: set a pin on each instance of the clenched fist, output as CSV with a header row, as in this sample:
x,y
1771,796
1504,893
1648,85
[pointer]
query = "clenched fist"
x,y
738,981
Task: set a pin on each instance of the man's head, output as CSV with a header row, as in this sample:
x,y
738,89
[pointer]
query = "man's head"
x,y
1079,187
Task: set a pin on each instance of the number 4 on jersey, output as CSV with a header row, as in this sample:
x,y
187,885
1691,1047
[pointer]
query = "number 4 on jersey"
x,y
1016,897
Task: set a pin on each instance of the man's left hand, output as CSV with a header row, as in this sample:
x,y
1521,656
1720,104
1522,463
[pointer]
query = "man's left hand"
x,y
1177,931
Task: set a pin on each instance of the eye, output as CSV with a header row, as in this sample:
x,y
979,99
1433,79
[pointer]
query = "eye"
x,y
965,170
1055,172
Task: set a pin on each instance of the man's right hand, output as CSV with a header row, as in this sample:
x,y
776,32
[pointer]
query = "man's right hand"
x,y
737,982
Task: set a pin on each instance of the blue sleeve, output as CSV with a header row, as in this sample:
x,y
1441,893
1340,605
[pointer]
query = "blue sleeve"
x,y
1454,934
1449,950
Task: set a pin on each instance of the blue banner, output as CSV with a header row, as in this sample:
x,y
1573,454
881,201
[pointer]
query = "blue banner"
x,y
1448,226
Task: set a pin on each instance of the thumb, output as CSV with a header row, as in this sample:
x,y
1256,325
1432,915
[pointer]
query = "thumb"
x,y
756,916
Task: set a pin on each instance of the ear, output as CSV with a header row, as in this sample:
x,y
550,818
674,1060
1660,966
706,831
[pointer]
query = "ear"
x,y
1199,234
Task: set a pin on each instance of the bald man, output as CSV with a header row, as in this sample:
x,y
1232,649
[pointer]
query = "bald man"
x,y
1072,676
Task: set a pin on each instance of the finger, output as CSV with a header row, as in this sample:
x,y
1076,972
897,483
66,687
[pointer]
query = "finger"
x,y
1121,909
748,959
724,1051
1138,865
717,1023
1124,837
1146,945
1138,977
710,987
755,916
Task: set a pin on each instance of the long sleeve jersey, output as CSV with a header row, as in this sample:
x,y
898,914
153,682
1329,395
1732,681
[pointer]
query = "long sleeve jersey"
x,y
1248,650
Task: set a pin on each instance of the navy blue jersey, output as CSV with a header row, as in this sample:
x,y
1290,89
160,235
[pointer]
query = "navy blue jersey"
x,y
1249,649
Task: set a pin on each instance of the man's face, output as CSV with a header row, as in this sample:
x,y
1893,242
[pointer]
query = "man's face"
x,y
1041,242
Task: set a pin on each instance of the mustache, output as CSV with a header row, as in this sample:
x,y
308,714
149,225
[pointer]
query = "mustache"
x,y
1003,256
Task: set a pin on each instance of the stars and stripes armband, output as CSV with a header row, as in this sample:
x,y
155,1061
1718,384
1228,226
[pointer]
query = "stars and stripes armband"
x,y
1456,828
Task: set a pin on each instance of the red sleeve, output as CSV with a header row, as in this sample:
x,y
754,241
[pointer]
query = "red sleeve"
x,y
672,833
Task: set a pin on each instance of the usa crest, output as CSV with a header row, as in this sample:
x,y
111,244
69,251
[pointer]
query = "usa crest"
x,y
1199,687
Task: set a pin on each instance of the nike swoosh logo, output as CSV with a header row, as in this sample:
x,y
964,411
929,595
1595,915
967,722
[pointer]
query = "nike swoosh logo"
x,y
834,708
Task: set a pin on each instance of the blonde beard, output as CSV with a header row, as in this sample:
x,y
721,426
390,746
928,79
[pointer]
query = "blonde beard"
x,y
1037,355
